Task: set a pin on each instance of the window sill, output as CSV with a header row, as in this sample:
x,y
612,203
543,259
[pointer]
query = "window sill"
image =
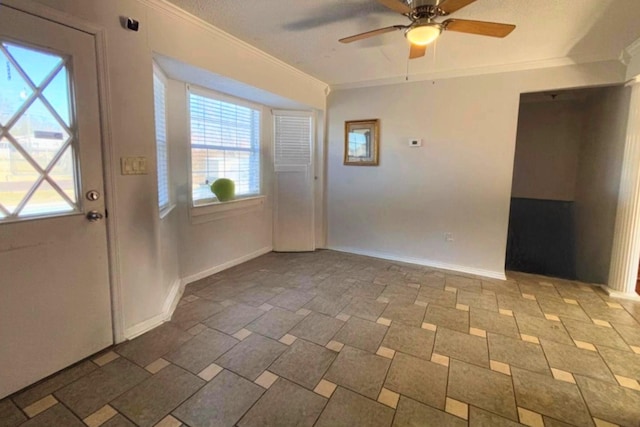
x,y
166,211
220,210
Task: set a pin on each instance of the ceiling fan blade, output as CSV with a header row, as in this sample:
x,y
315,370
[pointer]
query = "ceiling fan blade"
x,y
396,6
417,51
371,33
482,28
451,6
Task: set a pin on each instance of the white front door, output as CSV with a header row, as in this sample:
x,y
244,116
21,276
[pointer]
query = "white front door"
x,y
293,229
54,282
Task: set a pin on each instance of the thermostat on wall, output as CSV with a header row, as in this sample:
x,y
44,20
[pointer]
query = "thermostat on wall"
x,y
415,142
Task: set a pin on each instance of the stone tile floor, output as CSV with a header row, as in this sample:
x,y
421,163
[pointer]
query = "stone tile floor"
x,y
332,339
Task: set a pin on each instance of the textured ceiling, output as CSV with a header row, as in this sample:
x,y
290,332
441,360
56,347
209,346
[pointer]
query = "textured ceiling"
x,y
305,34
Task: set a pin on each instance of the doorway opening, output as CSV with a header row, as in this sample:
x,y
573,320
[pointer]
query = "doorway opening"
x,y
566,177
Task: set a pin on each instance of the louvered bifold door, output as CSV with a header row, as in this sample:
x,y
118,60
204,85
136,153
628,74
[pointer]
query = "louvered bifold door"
x,y
293,229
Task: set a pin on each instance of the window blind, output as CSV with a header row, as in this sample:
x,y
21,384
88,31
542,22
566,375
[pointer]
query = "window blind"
x,y
225,143
159,94
292,138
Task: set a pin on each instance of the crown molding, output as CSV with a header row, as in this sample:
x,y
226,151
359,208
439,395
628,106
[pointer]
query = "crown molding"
x,y
477,71
169,8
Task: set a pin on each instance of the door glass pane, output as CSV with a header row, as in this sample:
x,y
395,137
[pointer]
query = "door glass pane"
x,y
36,64
62,173
46,200
43,132
13,90
17,176
39,133
57,93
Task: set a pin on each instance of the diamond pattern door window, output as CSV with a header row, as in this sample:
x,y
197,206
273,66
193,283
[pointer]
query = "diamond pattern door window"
x,y
38,162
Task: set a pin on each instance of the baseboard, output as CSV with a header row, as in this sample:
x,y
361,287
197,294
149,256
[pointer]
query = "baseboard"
x,y
218,268
613,293
425,262
170,304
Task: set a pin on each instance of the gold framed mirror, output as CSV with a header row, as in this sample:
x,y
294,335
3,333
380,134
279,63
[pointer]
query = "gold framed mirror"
x,y
361,142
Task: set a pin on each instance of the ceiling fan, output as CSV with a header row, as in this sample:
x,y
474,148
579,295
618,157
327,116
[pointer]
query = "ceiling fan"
x,y
423,29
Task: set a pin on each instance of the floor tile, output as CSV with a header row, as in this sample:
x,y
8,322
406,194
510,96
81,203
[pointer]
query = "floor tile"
x,y
562,309
157,366
538,291
335,346
388,398
386,352
545,395
288,339
365,308
365,289
482,388
317,328
359,371
599,335
413,414
325,388
437,297
119,421
501,367
201,350
501,287
275,323
478,300
153,399
40,406
169,421
154,344
231,394
292,300
493,322
361,334
266,379
210,372
518,353
462,347
304,363
189,315
530,418
610,402
457,408
331,306
255,296
101,416
449,318
520,305
577,361
105,358
252,356
407,376
10,415
463,283
623,363
481,418
93,391
285,404
600,310
55,416
542,328
407,339
348,409
631,334
234,318
53,383
405,313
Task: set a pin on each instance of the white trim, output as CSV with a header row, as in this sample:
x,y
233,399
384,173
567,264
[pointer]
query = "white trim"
x,y
422,261
475,71
622,295
214,211
108,151
170,304
218,268
167,210
633,49
173,10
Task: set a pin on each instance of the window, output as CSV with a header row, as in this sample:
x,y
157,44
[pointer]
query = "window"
x,y
225,143
159,103
38,165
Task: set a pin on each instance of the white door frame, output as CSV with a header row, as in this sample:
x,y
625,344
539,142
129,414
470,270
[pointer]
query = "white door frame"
x,y
53,15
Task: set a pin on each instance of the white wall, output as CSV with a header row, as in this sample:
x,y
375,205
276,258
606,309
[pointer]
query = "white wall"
x,y
547,148
458,182
599,181
147,247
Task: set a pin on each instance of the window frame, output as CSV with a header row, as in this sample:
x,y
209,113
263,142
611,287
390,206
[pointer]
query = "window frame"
x,y
212,208
165,209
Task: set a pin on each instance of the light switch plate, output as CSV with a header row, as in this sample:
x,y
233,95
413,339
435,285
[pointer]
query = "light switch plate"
x,y
133,165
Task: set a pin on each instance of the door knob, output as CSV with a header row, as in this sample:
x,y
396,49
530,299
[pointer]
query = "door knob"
x,y
94,216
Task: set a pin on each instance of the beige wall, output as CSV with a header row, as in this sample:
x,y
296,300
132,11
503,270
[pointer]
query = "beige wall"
x,y
599,181
148,258
547,148
458,182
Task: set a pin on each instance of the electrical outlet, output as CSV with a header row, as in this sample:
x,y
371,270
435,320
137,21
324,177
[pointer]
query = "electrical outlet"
x,y
415,142
448,237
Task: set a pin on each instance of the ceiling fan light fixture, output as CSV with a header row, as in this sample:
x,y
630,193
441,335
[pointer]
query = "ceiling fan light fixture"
x,y
423,34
